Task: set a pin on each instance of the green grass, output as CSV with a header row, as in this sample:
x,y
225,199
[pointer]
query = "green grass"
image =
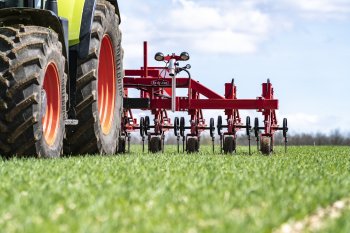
x,y
170,192
340,225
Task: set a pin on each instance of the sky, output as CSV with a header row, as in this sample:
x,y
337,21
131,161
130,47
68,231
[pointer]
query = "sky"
x,y
302,46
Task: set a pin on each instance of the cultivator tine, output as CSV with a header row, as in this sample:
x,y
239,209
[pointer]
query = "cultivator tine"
x,y
285,144
248,128
143,144
256,132
178,143
211,132
129,137
148,141
250,153
285,130
213,143
221,142
183,144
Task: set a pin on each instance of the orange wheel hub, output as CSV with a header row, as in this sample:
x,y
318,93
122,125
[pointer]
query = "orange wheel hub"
x,y
51,116
106,90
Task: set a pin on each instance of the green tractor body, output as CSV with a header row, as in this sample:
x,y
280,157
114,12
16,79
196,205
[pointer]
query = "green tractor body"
x,y
60,77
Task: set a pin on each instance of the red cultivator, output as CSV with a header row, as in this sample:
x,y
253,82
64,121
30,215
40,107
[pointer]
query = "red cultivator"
x,y
157,86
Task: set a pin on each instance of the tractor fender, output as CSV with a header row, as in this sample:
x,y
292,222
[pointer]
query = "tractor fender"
x,y
86,24
31,16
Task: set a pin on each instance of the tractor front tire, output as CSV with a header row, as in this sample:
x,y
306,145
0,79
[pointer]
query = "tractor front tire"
x,y
99,88
32,92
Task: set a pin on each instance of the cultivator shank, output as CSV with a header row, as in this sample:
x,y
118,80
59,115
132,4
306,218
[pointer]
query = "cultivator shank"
x,y
157,86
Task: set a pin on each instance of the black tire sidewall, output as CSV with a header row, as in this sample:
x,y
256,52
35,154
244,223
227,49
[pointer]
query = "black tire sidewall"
x,y
32,50
43,149
108,142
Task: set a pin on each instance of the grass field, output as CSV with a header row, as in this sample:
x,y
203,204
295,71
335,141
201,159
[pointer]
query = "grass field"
x,y
173,193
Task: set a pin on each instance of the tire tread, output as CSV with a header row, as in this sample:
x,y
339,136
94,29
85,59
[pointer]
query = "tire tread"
x,y
23,53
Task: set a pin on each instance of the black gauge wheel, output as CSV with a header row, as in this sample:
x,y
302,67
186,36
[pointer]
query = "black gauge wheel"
x,y
285,127
182,126
256,127
176,126
219,124
248,126
142,126
147,124
211,127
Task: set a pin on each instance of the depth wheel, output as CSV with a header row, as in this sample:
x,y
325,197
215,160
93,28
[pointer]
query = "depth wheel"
x,y
142,126
192,145
285,127
147,124
99,88
265,145
155,144
211,127
248,126
256,127
32,92
176,126
182,126
219,124
229,145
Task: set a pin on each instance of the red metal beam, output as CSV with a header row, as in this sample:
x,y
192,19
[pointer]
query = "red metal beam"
x,y
166,82
184,103
204,90
140,73
257,104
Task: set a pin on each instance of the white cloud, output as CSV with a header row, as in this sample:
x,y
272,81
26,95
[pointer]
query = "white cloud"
x,y
236,29
322,9
218,27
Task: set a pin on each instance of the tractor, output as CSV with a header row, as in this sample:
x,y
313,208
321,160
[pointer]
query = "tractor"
x,y
61,77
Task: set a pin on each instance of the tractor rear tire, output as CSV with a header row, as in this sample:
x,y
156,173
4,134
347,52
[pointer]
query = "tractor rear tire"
x,y
155,144
265,145
192,145
99,88
229,145
32,92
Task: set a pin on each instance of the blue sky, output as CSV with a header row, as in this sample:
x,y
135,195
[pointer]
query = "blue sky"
x,y
303,46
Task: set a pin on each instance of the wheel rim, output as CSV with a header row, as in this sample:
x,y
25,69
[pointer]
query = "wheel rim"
x,y
51,115
106,85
